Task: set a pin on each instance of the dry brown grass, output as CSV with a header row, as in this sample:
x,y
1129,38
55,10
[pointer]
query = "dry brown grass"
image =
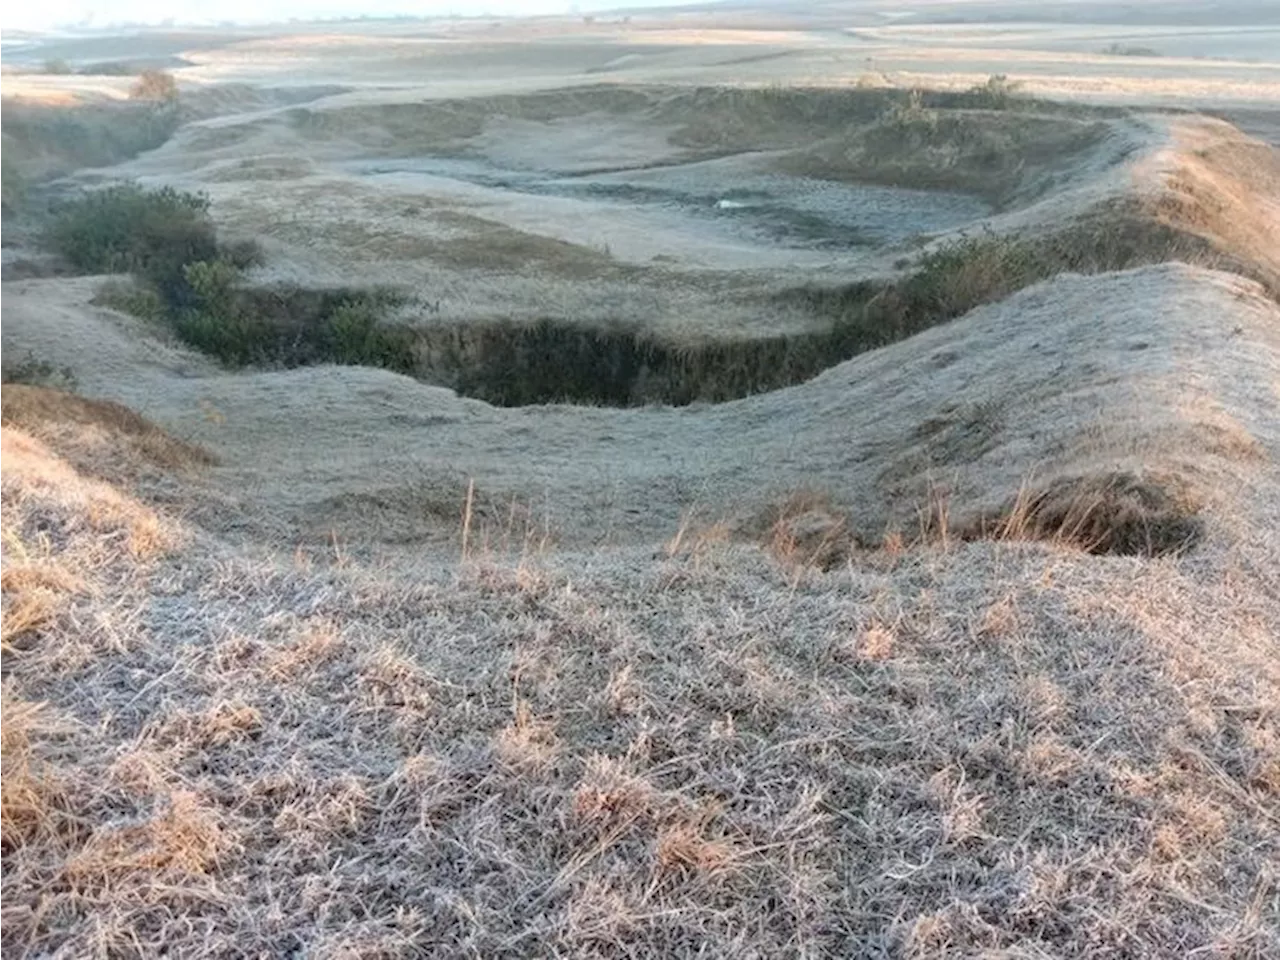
x,y
111,431
1000,747
53,501
1220,185
1109,513
78,553
29,794
1104,513
806,529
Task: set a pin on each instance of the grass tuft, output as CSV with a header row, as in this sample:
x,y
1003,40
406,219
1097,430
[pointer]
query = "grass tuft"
x,y
1112,513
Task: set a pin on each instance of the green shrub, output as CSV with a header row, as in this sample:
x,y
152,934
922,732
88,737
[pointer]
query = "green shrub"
x,y
953,278
216,320
57,67
185,277
948,281
281,328
132,297
152,233
213,286
353,334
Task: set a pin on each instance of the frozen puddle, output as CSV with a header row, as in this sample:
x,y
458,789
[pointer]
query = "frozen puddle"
x,y
684,210
802,212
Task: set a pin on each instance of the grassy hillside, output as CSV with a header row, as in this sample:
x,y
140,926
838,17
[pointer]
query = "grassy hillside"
x,y
930,750
910,602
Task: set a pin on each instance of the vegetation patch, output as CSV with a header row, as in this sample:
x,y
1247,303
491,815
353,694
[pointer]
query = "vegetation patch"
x,y
1115,513
132,297
292,327
154,234
189,279
560,362
39,372
965,273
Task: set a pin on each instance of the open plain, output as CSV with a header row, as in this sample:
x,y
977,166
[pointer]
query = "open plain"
x,y
735,481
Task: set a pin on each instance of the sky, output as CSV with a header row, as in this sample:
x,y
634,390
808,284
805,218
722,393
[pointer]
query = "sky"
x,y
46,14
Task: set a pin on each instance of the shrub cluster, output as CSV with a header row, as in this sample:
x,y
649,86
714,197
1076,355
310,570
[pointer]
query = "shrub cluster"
x,y
151,233
947,282
189,279
287,328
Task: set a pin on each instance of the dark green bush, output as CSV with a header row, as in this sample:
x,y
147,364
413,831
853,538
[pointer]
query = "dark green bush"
x,y
215,319
282,328
185,277
151,233
354,335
